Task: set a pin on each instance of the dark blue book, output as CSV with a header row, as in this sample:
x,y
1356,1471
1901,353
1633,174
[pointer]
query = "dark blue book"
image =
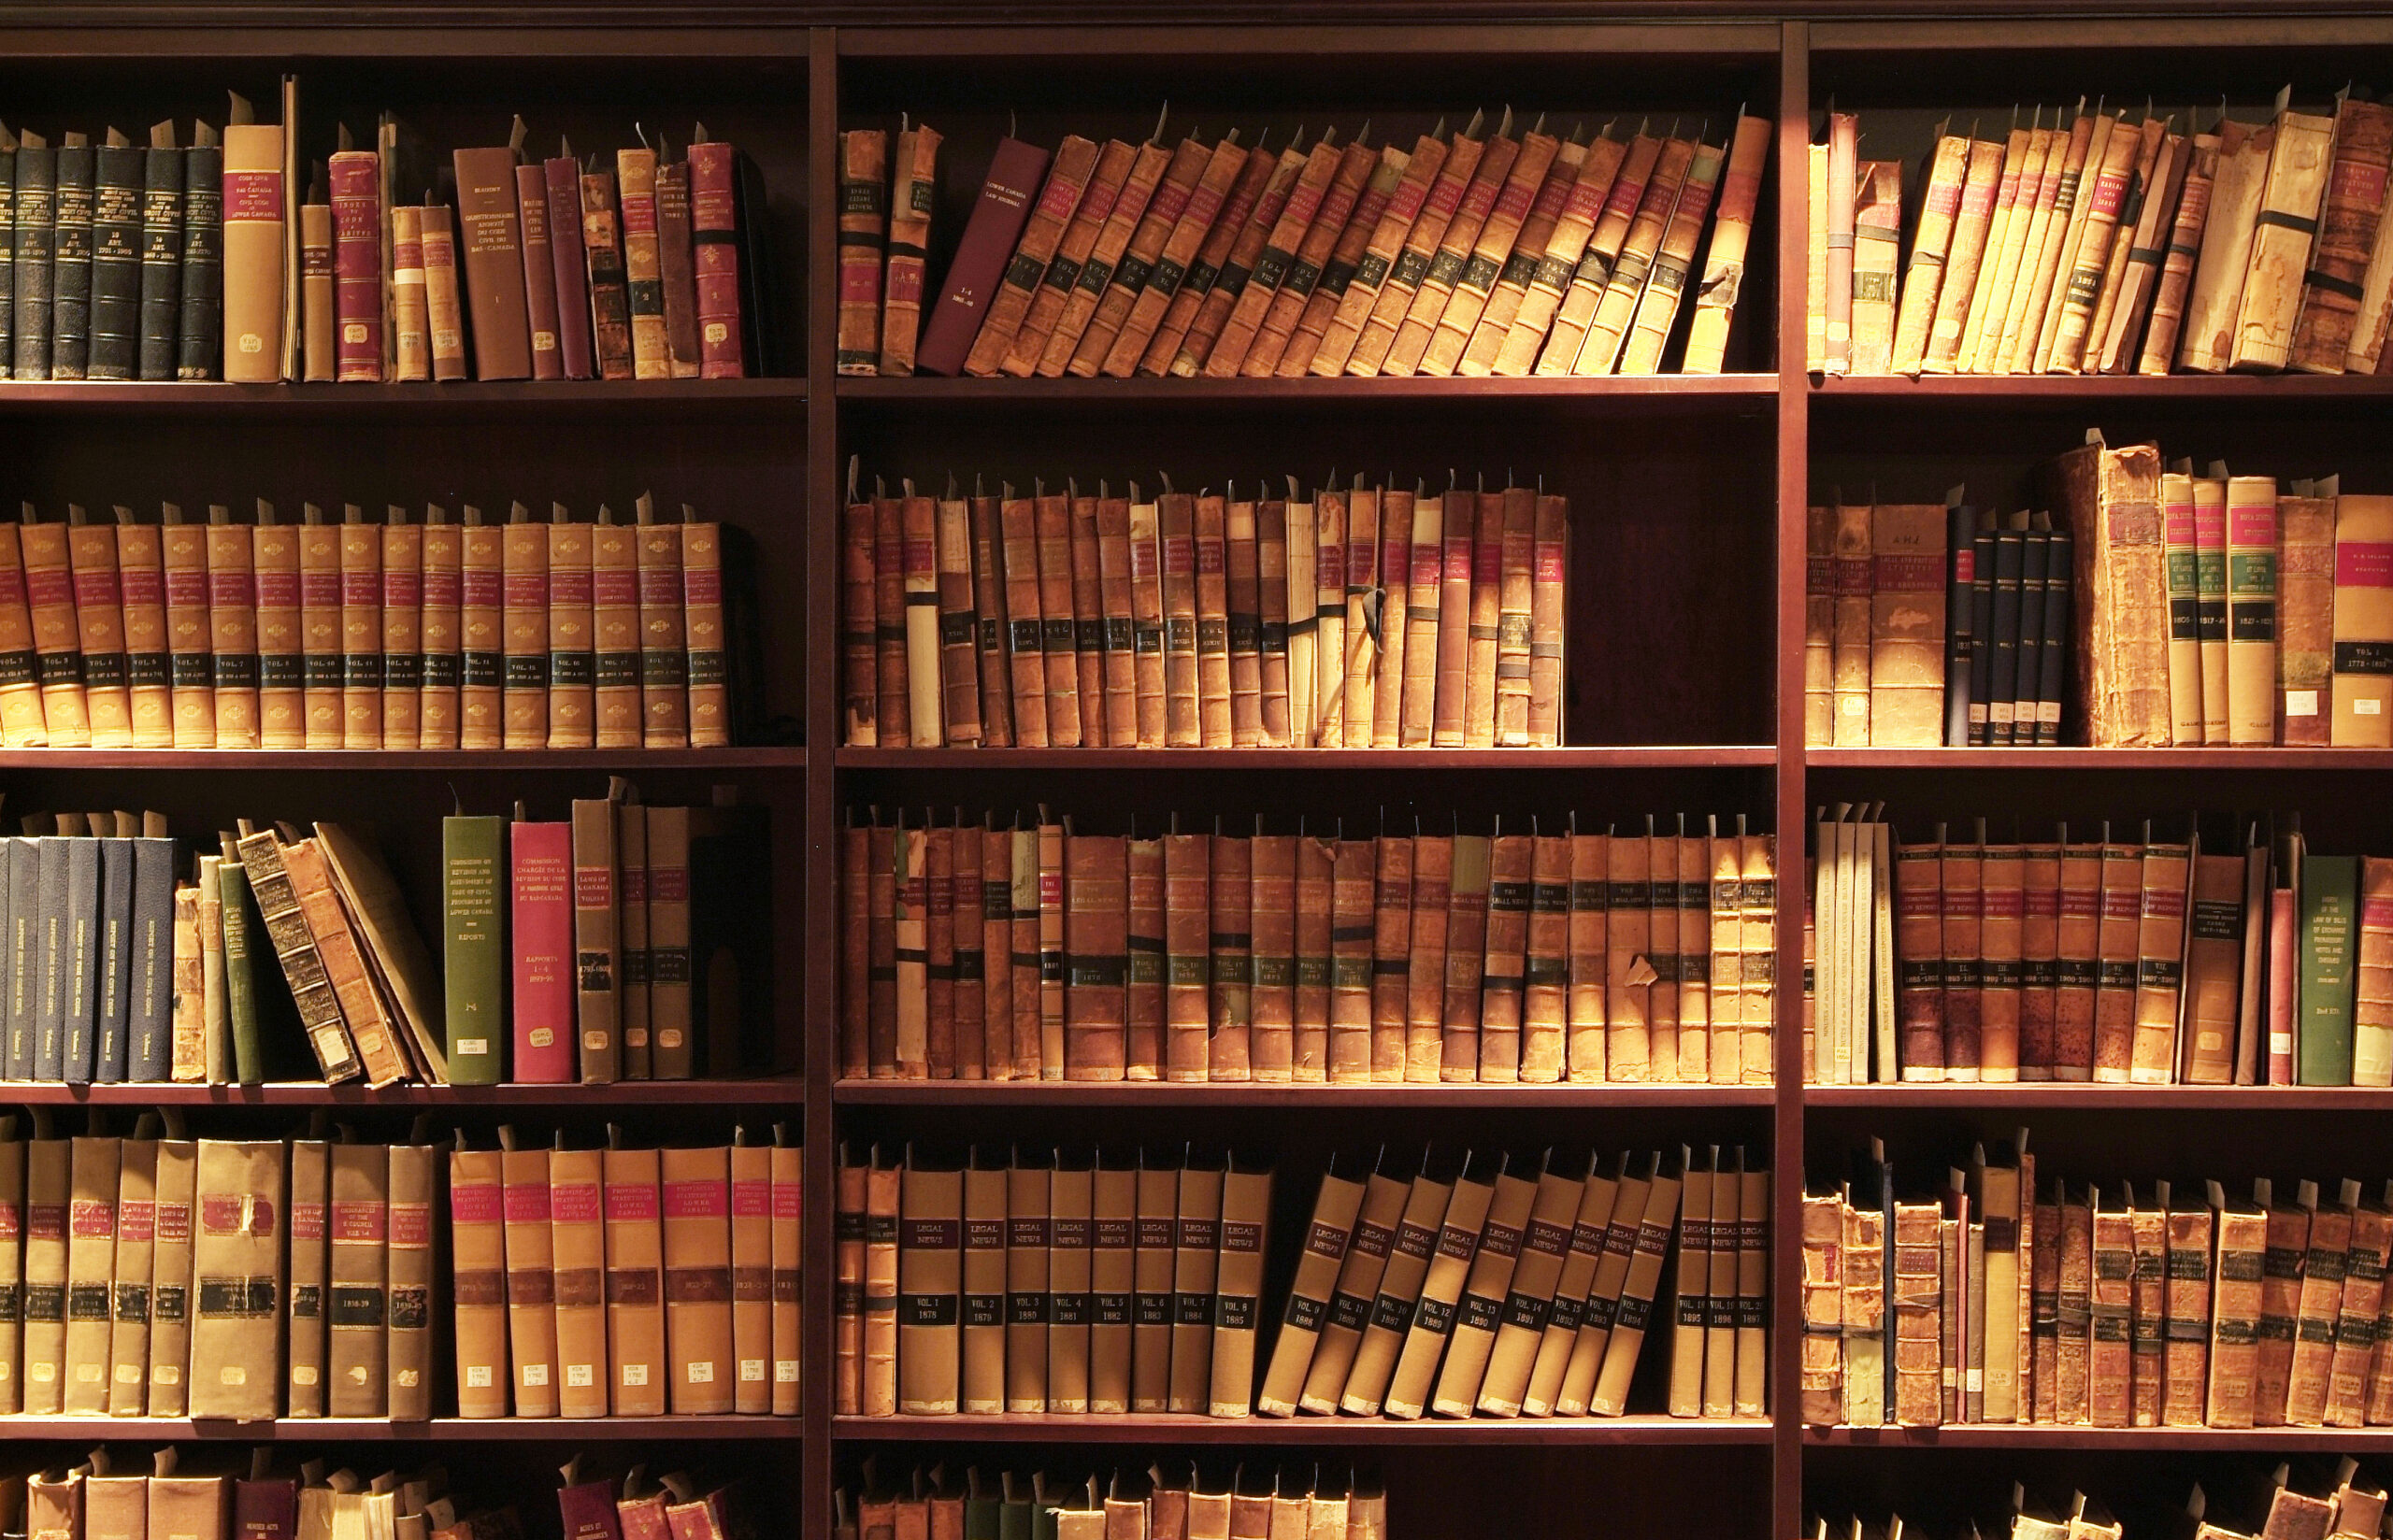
x,y
8,973
2059,581
2033,557
51,943
22,943
151,1032
1960,547
81,1019
115,1008
1981,633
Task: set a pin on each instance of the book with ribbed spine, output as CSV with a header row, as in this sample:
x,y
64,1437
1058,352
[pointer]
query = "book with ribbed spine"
x,y
568,632
1649,327
544,324
665,697
1255,259
1356,191
481,632
1424,189
401,563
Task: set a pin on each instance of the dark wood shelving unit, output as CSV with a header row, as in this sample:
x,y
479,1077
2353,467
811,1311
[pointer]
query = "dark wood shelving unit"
x,y
1685,627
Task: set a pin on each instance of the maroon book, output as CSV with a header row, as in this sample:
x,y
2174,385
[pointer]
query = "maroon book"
x,y
588,1507
266,1507
540,270
989,235
714,236
563,176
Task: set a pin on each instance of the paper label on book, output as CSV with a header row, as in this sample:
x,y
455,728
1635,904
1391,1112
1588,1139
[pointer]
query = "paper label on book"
x,y
2302,703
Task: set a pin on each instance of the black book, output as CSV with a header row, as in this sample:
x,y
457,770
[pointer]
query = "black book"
x,y
70,264
114,1011
162,258
7,258
150,1030
201,330
1980,632
2060,584
36,197
24,948
81,1024
117,187
2033,555
762,346
2002,672
1961,545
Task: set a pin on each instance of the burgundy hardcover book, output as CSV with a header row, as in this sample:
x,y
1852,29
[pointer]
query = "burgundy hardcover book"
x,y
357,264
989,236
564,178
588,1510
714,245
266,1507
540,270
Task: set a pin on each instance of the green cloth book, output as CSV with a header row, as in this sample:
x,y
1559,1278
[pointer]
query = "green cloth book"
x,y
240,974
2329,943
474,946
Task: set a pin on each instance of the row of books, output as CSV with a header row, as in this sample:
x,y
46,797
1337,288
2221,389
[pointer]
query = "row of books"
x,y
557,269
2353,1509
1989,1299
2154,961
114,259
698,1251
356,635
1473,254
1929,625
1152,1505
1062,1285
1036,952
1360,617
156,1276
623,942
2108,247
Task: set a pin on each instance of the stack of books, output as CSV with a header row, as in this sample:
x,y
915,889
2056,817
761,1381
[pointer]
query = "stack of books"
x,y
1519,955
533,634
2105,245
1352,617
1472,254
1493,1288
1150,1504
1989,1299
2151,959
699,1249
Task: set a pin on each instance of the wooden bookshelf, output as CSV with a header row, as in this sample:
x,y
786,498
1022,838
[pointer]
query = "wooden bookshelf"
x,y
1685,650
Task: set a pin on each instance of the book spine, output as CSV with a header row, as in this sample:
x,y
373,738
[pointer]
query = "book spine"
x,y
864,163
116,248
663,657
357,264
50,595
990,642
676,270
594,941
544,325
561,190
70,267
99,616
401,622
603,252
958,632
444,311
643,272
2252,585
564,657
1118,580
714,236
161,238
409,348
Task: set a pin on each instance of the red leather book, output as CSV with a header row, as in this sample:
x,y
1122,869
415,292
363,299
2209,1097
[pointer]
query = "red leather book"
x,y
563,178
357,264
989,235
264,1507
588,1510
542,891
714,243
539,271
489,242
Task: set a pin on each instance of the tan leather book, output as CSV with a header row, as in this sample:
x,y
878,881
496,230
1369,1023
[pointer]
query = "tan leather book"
x,y
1358,187
968,949
1989,193
1821,572
282,907
2105,187
1430,1323
571,714
2076,996
1399,253
1916,1294
1505,251
1409,330
1658,305
1271,572
1114,658
1027,1297
2291,192
1353,937
479,1279
1209,210
1312,1293
1315,889
410,304
2160,972
116,1505
1722,892
980,1278
2148,1228
1088,620
2254,574
140,577
891,711
1272,931
1546,963
665,695
1691,1305
1758,957
1028,963
53,1503
99,621
1059,197
1243,596
1058,652
636,1283
1177,536
2305,601
1044,313
847,1287
1864,1269
1027,670
1391,941
524,637
1155,1240
1439,646
1455,982
912,193
2321,1302
338,946
1209,534
531,1280
986,583
1574,1276
751,1363
2110,499
1526,1308
1142,717
997,950
929,1285
696,1188
1096,956
2242,1241
361,628
2187,227
918,542
1479,1313
126,1375
1628,975
1418,1237
1113,1278
1255,199
2347,1379
2362,692
1595,326
1332,550
1238,1303
191,668
356,1281
2114,992
2025,155
95,1178
2069,171
1089,285
1566,336
2001,921
2275,1320
577,1255
1223,326
2111,350
2206,332
1195,1279
1643,1274
2185,1350
1070,1206
159,1381
1357,701
1854,575
1425,965
597,1006
240,1236
1906,608
49,589
48,1169
1229,1048
1587,894
1316,286
402,627
481,630
254,298
1187,956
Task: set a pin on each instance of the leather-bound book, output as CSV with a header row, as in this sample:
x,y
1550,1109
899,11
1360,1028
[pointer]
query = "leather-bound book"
x,y
281,907
847,1292
401,562
1156,1239
1391,945
2321,1302
35,196
1319,290
1516,600
2268,1364
1146,966
989,640
545,327
989,316
2305,612
1988,195
50,592
1484,618
1587,898
864,212
910,951
1028,962
2047,262
1432,1321
1027,1301
161,252
1105,254
1111,1284
443,296
277,625
677,272
2185,1328
699,1300
981,1289
410,304
491,230
165,1375
2253,578
525,556
131,1273
1070,1198
200,289
1228,313
48,1166
664,695
1254,338
541,886
1556,347
2115,988
2137,252
1530,293
892,716
2284,225
1353,895
1628,979
1452,614
2205,334
2205,155
1919,949
1425,965
965,943
1244,597
576,1327
2025,154
1272,930
595,939
1481,1309
240,1237
997,949
357,1281
1419,1238
116,248
99,618
707,667
643,268
95,1175
1229,1048
351,289
1058,648
1310,1294
930,1222
1088,619
2110,498
1200,206
636,1291
979,265
1426,194
1106,182
1397,263
1334,549
1656,308
1907,625
603,254
2214,964
2076,996
2039,959
1546,972
1048,866
635,887
715,236
233,635
2159,971
2363,1294
2362,696
1502,186
1479,316
1529,1302
2110,1371
1025,624
1096,956
560,191
1455,983
2001,917
70,267
22,719
1196,1272
1662,954
2242,1241
959,641
2106,202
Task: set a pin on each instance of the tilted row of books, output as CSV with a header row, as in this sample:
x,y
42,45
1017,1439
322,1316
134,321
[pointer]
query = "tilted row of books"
x,y
1989,1299
1361,617
357,634
698,1254
1036,952
624,942
1471,253
2145,960
1305,1504
2216,1509
1497,1288
2108,247
114,266
1934,624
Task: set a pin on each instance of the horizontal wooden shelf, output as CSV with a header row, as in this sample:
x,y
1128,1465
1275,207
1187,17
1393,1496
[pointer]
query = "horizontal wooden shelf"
x,y
763,758
1689,756
2028,390
2048,1095
548,398
1379,1097
2068,1436
770,1092
562,1430
1673,389
1276,1432
1098,41
2098,759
